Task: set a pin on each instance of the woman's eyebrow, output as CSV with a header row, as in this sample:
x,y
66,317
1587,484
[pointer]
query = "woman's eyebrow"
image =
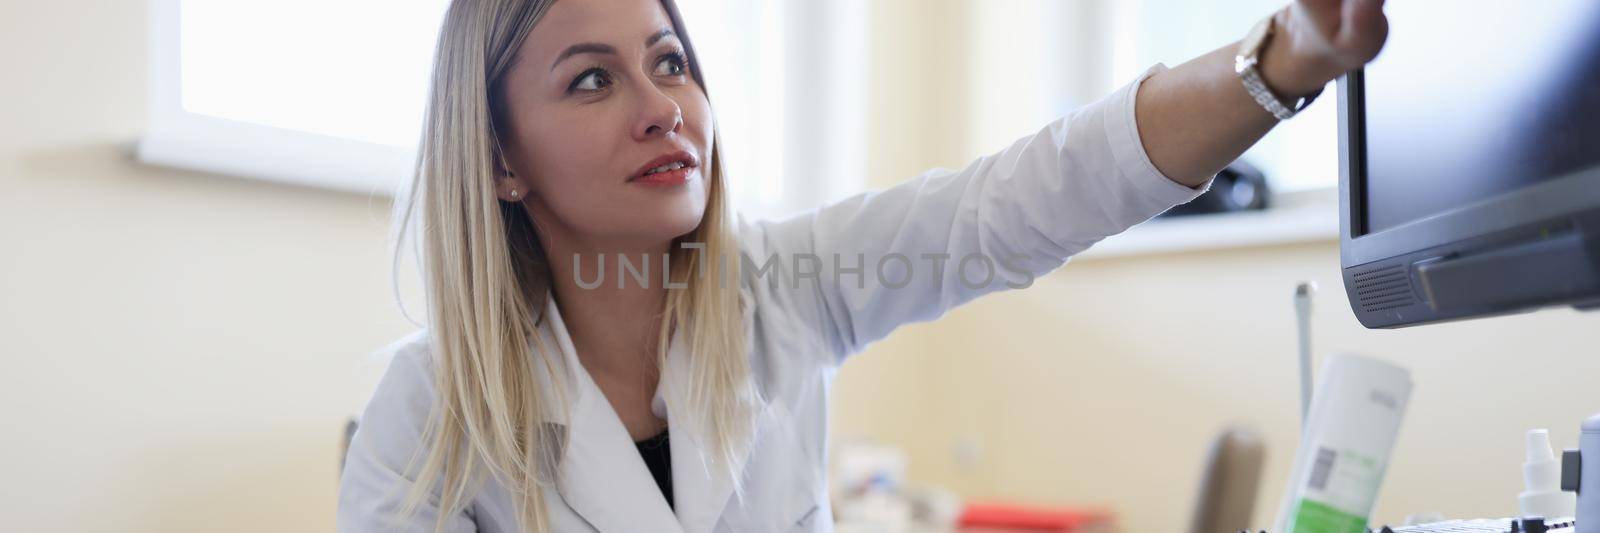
x,y
601,48
657,37
583,48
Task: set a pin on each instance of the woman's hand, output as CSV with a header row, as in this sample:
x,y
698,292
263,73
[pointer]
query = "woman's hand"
x,y
1198,117
1319,41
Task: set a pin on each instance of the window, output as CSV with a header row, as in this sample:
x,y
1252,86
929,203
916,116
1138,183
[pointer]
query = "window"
x,y
1300,154
326,94
260,89
1034,60
788,83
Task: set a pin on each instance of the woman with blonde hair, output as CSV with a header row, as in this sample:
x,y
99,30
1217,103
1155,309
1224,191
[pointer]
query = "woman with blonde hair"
x,y
608,349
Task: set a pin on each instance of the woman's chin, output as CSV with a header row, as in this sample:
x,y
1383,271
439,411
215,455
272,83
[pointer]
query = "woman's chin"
x,y
674,217
686,224
666,223
656,216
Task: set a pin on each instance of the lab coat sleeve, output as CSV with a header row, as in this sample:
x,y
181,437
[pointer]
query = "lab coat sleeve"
x,y
375,479
1024,210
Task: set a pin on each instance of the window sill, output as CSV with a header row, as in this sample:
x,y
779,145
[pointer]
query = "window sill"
x,y
231,148
1297,217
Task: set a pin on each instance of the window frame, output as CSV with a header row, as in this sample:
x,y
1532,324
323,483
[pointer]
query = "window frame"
x,y
175,137
822,117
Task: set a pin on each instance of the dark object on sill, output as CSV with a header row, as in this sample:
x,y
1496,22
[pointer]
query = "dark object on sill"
x,y
1240,187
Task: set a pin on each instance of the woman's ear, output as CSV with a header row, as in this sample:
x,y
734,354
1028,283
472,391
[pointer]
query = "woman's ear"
x,y
507,185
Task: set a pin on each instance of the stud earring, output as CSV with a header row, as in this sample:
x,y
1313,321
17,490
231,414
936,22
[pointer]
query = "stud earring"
x,y
515,194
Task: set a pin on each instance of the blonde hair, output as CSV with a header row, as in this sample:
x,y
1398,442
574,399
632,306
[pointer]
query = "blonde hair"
x,y
486,278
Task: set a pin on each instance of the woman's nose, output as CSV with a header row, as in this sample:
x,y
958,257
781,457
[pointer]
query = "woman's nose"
x,y
659,113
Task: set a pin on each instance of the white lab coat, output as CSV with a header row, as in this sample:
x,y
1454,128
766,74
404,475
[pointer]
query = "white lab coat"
x,y
1048,196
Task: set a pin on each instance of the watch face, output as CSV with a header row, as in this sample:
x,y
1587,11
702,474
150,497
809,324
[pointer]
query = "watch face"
x,y
1250,48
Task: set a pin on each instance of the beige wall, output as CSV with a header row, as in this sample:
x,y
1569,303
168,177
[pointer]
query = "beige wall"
x,y
178,351
1102,384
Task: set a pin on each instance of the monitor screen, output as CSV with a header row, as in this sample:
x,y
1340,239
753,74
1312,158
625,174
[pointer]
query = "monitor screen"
x,y
1472,99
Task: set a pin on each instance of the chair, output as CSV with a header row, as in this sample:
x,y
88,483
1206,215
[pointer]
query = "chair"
x,y
1229,483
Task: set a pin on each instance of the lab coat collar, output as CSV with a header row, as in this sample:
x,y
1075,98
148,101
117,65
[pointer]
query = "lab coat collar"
x,y
604,479
701,492
602,476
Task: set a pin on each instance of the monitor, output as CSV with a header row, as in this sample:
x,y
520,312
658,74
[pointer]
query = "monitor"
x,y
1470,162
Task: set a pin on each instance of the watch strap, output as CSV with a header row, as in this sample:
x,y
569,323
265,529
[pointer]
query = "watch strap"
x,y
1247,65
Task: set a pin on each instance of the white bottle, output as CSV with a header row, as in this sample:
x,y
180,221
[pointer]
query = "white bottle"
x,y
1344,450
1541,476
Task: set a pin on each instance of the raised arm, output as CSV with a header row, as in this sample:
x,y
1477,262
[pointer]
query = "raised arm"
x,y
1197,118
909,253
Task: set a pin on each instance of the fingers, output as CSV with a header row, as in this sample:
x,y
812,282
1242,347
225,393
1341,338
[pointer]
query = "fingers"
x,y
1326,5
1325,15
1364,30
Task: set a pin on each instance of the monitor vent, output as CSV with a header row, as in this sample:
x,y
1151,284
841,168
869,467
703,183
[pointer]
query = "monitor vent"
x,y
1383,288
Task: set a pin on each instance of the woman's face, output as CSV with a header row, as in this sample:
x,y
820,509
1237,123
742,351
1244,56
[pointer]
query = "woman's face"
x,y
601,95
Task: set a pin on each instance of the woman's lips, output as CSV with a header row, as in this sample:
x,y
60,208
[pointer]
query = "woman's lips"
x,y
668,178
680,163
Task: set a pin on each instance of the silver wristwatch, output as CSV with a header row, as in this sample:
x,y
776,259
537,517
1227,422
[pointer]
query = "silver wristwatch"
x,y
1248,65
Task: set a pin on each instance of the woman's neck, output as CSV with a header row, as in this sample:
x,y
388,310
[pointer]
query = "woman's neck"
x,y
614,324
614,319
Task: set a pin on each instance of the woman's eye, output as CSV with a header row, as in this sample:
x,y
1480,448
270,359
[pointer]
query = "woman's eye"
x,y
591,80
672,65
